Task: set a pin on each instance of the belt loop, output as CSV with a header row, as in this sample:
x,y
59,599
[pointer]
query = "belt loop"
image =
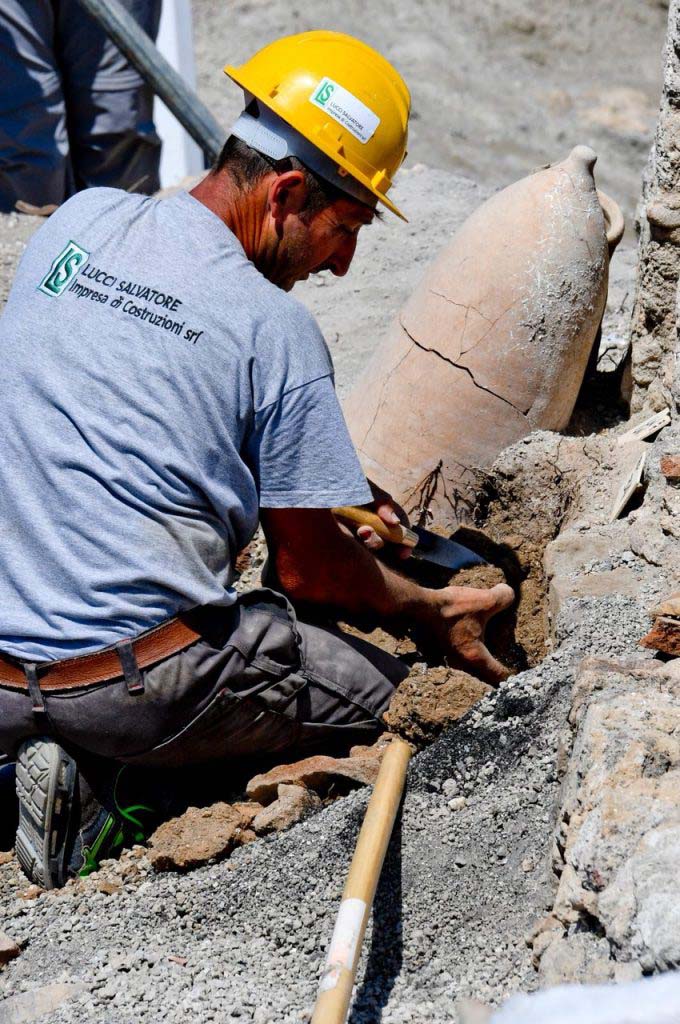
x,y
128,661
31,673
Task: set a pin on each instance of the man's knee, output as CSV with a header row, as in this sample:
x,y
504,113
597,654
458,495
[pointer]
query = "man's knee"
x,y
357,677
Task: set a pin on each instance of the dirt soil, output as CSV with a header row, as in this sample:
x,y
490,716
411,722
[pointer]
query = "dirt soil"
x,y
431,699
497,88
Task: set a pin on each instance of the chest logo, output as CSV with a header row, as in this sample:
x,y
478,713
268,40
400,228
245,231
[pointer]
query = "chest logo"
x,y
64,268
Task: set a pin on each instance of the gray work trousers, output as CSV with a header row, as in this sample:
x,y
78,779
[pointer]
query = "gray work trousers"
x,y
258,681
73,112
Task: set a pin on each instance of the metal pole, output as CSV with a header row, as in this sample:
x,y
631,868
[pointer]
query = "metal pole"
x,y
192,114
335,988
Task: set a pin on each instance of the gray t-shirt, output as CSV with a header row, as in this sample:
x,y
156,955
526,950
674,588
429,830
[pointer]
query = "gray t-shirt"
x,y
156,389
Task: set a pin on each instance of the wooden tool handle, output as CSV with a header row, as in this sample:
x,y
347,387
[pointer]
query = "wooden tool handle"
x,y
342,957
364,517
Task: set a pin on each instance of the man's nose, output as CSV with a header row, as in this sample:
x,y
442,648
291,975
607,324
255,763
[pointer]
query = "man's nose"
x,y
343,256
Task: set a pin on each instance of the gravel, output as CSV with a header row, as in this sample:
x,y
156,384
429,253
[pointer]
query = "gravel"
x,y
467,874
245,938
468,871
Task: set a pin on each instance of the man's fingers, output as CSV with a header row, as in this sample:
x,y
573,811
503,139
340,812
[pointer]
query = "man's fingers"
x,y
386,512
370,538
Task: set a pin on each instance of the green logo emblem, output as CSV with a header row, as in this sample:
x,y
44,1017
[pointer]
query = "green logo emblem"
x,y
63,269
324,93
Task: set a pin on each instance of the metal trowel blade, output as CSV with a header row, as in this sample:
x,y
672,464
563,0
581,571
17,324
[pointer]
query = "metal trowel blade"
x,y
449,553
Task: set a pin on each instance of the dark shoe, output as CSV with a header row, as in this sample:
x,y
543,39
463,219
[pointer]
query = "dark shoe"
x,y
46,779
65,830
9,808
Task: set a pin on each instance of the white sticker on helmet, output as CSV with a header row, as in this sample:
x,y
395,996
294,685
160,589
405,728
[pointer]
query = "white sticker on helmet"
x,y
345,108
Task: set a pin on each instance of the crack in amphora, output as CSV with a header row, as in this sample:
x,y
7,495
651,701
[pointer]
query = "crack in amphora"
x,y
458,366
467,307
381,399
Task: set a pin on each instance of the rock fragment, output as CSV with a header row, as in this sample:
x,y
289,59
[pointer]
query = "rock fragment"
x,y
665,633
425,703
670,468
664,636
31,893
667,606
201,835
293,803
321,773
9,949
30,1006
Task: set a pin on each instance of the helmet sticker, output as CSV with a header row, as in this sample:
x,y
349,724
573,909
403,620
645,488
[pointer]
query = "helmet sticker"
x,y
345,108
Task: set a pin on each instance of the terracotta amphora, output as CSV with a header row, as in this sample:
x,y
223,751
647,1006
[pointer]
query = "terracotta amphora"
x,y
493,343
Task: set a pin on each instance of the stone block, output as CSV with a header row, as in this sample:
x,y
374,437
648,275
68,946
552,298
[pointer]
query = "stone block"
x,y
596,584
618,832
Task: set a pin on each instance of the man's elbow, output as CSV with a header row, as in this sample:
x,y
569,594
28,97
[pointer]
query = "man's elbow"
x,y
302,583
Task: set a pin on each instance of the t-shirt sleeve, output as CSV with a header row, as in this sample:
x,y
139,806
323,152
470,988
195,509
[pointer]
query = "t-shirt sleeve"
x,y
301,454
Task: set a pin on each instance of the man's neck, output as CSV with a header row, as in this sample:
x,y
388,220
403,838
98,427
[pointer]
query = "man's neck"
x,y
244,214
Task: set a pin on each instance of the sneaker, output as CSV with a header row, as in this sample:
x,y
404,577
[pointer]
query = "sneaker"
x,y
65,830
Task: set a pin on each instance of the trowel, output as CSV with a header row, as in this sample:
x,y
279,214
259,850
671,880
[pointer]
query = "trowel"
x,y
424,544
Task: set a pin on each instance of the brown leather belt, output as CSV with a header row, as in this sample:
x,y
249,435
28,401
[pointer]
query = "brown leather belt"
x,y
151,647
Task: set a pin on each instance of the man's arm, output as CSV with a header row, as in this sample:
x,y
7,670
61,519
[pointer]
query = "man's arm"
x,y
316,561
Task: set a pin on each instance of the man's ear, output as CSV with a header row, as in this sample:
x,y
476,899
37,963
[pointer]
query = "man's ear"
x,y
287,194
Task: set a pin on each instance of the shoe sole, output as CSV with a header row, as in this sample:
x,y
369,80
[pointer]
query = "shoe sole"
x,y
46,779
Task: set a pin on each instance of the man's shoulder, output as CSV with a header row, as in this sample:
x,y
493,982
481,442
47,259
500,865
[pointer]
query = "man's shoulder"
x,y
92,200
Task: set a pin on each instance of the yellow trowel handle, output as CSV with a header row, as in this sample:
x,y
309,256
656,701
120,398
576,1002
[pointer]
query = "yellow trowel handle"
x,y
364,517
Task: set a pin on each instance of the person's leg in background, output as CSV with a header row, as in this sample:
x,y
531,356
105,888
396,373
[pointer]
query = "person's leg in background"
x,y
34,147
109,106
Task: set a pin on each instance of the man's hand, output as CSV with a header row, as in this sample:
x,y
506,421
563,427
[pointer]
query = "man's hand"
x,y
317,562
391,513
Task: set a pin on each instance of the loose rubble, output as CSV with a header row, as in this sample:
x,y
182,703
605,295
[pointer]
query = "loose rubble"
x,y
471,906
9,949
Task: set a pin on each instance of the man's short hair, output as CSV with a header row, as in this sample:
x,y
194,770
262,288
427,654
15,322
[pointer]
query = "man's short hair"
x,y
247,167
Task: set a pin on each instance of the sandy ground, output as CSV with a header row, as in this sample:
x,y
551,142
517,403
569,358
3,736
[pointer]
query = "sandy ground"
x,y
498,88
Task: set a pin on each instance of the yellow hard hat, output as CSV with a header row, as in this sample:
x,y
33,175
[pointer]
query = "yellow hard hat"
x,y
340,95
